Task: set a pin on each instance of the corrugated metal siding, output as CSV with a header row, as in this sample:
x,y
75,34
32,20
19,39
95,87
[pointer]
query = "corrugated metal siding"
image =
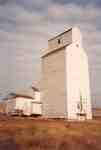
x,y
54,85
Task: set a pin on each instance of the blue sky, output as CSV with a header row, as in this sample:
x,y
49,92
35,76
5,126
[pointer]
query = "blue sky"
x,y
25,26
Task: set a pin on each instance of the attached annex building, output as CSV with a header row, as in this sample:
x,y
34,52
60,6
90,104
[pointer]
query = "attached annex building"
x,y
24,102
65,78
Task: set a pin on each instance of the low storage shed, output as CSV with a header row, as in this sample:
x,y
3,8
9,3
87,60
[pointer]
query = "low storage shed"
x,y
24,103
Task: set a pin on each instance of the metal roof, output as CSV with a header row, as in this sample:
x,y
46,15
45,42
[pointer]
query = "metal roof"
x,y
28,93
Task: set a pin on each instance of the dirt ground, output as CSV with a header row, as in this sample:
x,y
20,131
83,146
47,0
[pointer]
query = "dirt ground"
x,y
24,133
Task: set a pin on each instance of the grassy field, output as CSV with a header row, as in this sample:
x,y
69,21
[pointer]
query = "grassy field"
x,y
37,134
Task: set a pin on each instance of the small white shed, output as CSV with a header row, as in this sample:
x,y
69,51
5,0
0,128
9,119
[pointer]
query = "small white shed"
x,y
24,103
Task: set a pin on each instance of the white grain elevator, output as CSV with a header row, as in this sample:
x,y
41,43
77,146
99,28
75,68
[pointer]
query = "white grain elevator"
x,y
65,89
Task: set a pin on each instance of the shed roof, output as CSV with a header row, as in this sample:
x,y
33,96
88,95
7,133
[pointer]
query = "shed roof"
x,y
28,93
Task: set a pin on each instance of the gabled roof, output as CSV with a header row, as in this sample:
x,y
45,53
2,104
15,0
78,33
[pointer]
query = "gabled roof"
x,y
28,93
15,95
58,35
62,40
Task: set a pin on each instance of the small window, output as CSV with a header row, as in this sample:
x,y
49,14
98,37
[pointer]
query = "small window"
x,y
59,41
77,45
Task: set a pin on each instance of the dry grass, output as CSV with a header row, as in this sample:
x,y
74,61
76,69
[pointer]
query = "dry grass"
x,y
38,134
